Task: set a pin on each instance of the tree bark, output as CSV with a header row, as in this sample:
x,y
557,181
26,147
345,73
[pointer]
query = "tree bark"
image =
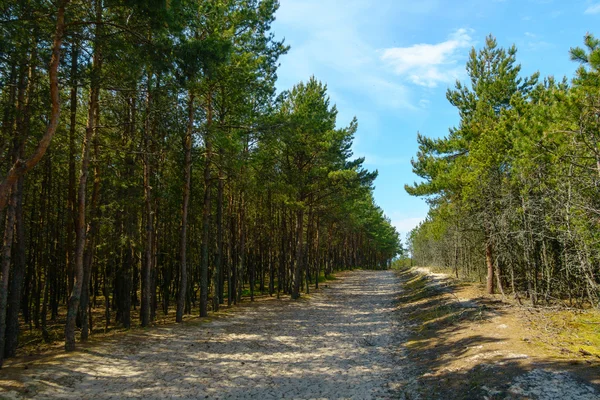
x,y
80,225
206,210
18,275
299,254
218,272
91,244
187,170
20,167
19,267
147,266
72,194
5,267
490,267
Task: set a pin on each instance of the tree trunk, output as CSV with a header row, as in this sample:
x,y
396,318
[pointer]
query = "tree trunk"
x,y
242,248
91,241
72,194
18,275
20,167
80,226
231,292
317,255
5,267
299,254
187,171
490,267
147,267
19,267
206,211
218,273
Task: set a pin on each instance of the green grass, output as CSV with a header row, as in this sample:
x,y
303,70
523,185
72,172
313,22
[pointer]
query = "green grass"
x,y
325,278
578,331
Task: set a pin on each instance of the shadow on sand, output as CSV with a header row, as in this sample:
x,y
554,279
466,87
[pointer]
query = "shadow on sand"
x,y
439,324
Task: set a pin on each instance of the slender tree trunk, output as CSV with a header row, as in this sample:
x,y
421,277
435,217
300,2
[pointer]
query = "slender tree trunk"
x,y
271,244
309,243
5,267
206,210
124,284
490,267
20,167
80,226
218,273
148,233
456,252
282,254
18,275
242,245
19,267
317,255
147,266
48,269
72,194
232,299
221,231
299,254
91,244
187,146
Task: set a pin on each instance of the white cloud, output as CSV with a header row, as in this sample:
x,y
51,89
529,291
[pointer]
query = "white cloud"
x,y
593,9
429,64
534,42
405,225
336,44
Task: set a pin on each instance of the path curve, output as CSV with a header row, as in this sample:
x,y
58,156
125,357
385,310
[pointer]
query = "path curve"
x,y
342,343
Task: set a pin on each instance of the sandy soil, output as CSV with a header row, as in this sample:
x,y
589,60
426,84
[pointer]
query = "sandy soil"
x,y
343,342
465,344
369,335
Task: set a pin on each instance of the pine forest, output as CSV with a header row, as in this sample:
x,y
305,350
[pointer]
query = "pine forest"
x,y
299,199
149,167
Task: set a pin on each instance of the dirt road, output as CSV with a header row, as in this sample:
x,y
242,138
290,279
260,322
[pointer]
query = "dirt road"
x,y
341,343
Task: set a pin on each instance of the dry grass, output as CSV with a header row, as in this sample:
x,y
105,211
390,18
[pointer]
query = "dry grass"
x,y
463,339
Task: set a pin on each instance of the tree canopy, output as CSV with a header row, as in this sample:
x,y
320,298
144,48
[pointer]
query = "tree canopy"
x,y
513,188
171,177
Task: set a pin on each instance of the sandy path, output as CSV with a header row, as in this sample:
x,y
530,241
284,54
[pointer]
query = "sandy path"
x,y
339,344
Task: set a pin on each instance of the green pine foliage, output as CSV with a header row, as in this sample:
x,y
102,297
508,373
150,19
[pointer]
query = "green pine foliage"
x,y
276,198
518,179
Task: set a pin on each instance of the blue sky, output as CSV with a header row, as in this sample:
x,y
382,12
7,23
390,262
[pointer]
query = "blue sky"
x,y
390,62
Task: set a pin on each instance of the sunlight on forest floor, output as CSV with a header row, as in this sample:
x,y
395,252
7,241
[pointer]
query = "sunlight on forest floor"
x,y
470,344
385,334
339,344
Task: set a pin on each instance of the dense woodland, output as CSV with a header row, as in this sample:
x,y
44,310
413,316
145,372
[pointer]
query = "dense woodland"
x,y
514,188
149,167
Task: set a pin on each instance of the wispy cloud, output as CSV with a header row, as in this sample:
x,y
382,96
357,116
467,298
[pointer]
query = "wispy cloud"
x,y
405,225
429,64
336,44
593,9
534,42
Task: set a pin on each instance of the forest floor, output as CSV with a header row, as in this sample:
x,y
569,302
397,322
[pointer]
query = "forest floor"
x,y
385,334
465,344
340,342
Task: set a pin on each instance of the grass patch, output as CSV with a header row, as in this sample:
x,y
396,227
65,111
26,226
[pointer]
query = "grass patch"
x,y
324,278
416,287
579,332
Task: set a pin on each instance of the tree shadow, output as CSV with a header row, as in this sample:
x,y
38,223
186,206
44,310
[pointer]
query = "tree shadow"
x,y
440,336
339,347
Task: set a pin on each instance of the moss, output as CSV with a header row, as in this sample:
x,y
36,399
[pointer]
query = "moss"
x,y
324,278
580,331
